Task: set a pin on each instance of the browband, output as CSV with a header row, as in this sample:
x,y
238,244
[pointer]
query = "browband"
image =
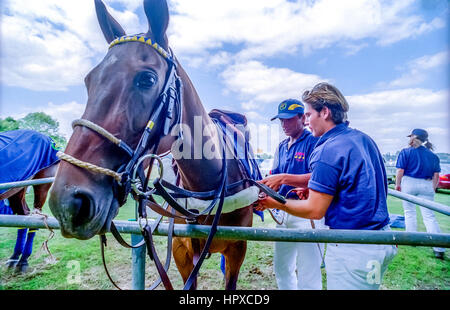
x,y
145,40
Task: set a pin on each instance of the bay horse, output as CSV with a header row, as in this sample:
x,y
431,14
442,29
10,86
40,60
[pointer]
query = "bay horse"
x,y
45,165
125,91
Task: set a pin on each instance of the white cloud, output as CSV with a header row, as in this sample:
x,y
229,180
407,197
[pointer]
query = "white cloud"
x,y
419,69
257,83
63,113
389,116
51,44
269,27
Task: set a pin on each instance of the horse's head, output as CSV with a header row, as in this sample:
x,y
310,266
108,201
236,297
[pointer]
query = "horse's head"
x,y
123,92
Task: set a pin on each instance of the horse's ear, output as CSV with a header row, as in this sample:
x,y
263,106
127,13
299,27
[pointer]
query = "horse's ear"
x,y
157,14
110,27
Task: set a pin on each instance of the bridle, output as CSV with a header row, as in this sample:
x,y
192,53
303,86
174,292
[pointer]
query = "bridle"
x,y
169,99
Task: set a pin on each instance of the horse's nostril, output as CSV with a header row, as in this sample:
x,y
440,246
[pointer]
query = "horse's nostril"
x,y
82,208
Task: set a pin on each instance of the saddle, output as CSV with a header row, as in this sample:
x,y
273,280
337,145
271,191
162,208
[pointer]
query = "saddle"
x,y
234,126
235,121
228,117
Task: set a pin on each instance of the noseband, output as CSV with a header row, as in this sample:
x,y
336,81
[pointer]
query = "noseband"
x,y
169,99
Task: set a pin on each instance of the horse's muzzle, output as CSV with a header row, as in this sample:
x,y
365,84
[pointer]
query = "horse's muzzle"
x,y
77,212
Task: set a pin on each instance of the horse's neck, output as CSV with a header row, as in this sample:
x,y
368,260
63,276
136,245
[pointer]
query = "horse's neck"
x,y
200,167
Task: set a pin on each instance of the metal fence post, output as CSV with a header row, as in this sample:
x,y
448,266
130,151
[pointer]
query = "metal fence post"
x,y
138,263
137,260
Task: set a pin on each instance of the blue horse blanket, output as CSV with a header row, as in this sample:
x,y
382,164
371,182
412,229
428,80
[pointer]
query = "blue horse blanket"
x,y
23,153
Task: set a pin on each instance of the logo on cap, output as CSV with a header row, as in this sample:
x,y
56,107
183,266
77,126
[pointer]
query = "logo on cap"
x,y
294,106
289,108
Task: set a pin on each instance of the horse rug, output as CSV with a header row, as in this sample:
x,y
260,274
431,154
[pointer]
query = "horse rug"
x,y
23,153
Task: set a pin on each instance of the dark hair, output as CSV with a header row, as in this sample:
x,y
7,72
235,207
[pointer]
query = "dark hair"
x,y
429,145
327,95
416,142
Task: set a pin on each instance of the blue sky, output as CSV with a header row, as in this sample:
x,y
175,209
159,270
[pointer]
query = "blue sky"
x,y
389,58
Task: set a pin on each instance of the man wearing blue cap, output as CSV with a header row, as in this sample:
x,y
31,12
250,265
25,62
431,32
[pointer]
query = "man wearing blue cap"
x,y
418,174
296,265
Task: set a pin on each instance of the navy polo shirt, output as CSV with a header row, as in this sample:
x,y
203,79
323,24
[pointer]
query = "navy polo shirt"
x,y
347,164
418,162
293,160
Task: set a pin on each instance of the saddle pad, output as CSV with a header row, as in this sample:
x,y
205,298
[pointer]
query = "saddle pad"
x,y
23,153
230,204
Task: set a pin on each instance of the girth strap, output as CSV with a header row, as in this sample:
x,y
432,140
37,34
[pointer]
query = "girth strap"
x,y
180,192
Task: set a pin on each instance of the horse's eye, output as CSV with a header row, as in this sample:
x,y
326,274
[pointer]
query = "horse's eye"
x,y
145,79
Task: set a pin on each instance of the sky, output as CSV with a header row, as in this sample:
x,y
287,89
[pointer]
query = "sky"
x,y
390,59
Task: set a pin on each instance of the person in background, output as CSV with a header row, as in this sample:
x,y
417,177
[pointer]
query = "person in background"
x,y
418,174
347,185
296,264
24,242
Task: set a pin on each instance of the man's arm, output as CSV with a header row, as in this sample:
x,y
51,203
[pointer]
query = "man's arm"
x,y
294,180
314,207
398,179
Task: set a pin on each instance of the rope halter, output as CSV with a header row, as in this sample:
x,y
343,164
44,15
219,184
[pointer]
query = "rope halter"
x,y
88,166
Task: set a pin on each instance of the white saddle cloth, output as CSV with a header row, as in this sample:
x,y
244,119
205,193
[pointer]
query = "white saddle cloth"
x,y
231,203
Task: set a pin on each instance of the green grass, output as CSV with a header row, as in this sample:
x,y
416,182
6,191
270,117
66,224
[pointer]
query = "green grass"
x,y
413,268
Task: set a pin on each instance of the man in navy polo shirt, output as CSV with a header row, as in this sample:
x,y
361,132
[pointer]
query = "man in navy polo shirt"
x,y
348,186
292,158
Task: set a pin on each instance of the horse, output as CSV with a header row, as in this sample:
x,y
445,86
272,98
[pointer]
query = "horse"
x,y
44,166
125,92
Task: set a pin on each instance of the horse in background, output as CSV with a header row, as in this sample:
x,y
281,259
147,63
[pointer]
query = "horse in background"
x,y
25,155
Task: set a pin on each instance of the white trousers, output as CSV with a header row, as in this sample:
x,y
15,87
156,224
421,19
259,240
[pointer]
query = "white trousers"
x,y
297,264
357,266
424,189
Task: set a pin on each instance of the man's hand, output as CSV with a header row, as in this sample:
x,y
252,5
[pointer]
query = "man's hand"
x,y
265,202
273,181
301,192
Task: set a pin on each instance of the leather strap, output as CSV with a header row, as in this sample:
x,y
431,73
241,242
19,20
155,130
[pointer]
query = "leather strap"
x,y
147,233
102,247
193,276
168,253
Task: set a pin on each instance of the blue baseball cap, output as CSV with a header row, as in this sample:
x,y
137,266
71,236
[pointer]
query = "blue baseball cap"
x,y
289,108
421,134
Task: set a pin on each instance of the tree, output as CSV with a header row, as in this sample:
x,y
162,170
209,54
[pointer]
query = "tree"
x,y
8,124
38,121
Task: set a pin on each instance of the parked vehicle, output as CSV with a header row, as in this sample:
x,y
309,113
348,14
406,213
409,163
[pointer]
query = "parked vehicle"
x,y
444,177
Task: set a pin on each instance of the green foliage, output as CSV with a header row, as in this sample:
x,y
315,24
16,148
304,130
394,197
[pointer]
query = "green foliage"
x,y
38,121
8,124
